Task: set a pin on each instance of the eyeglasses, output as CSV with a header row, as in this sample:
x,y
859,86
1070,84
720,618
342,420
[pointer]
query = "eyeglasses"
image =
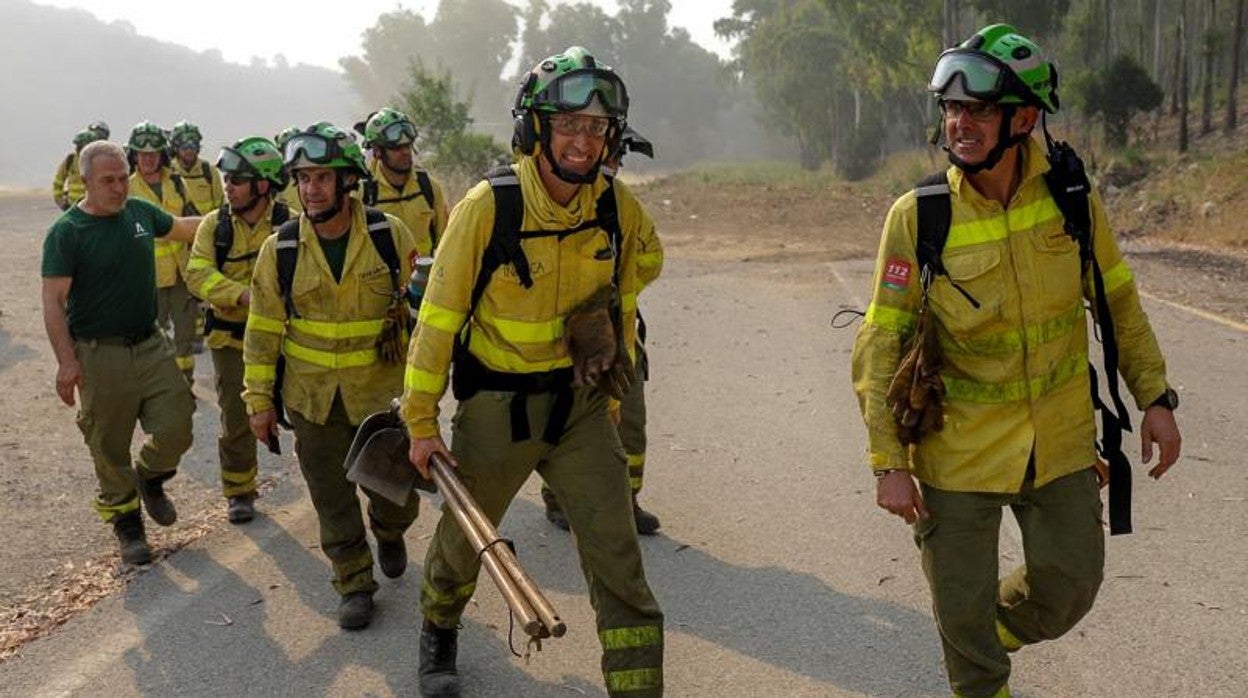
x,y
573,124
575,90
147,140
396,134
978,111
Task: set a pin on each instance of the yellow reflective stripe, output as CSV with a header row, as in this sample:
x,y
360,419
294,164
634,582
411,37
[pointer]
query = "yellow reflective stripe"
x,y
999,227
1014,341
165,250
510,362
1117,277
636,460
633,680
197,263
337,330
1008,639
634,483
424,381
1015,391
214,280
895,319
185,363
236,478
630,638
440,318
329,359
108,513
259,372
650,259
1003,692
450,598
265,324
522,332
628,302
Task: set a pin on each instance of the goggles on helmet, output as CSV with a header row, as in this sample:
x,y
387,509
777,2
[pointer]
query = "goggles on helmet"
x,y
983,77
316,148
232,162
396,134
184,143
148,140
575,90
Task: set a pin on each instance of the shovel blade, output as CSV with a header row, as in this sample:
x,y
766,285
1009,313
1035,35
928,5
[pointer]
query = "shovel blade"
x,y
382,466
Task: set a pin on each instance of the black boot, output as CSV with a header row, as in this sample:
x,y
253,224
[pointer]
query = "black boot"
x,y
158,505
131,539
647,523
355,610
241,508
392,556
554,513
438,647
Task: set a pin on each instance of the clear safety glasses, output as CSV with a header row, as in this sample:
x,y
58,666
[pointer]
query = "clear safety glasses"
x,y
573,124
575,90
983,77
396,134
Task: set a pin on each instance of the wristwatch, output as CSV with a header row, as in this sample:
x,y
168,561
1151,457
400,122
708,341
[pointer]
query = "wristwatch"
x,y
1168,400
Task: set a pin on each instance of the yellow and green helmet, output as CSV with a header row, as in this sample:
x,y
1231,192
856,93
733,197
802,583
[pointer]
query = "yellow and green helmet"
x,y
569,81
184,134
998,65
324,145
147,137
256,157
388,128
86,137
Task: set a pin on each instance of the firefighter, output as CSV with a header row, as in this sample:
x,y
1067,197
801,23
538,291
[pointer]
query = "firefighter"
x,y
219,271
530,256
67,185
397,185
328,313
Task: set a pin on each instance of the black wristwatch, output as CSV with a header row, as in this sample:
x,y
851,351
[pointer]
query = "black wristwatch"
x,y
1168,400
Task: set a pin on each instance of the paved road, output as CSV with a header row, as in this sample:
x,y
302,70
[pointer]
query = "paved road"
x,y
777,573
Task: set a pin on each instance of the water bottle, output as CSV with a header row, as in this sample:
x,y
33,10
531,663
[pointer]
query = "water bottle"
x,y
416,284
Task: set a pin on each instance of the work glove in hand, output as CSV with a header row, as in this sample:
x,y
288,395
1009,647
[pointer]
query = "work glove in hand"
x,y
593,342
916,394
391,343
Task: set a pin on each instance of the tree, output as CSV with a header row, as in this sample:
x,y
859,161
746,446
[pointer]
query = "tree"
x,y
1237,57
1116,95
444,125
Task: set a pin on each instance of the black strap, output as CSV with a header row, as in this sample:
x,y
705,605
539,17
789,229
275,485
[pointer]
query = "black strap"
x,y
287,249
371,195
223,240
383,242
212,322
188,206
935,210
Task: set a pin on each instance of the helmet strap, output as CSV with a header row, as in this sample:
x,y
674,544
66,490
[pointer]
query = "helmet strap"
x,y
341,190
1005,141
251,203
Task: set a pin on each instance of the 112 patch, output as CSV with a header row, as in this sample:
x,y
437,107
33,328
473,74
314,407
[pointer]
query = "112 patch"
x,y
896,275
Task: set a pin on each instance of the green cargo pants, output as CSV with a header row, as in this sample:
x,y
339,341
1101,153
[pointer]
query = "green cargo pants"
x,y
236,446
321,449
124,384
632,426
981,618
176,305
586,471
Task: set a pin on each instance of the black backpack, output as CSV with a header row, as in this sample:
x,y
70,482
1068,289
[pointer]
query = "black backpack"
x,y
370,193
1068,185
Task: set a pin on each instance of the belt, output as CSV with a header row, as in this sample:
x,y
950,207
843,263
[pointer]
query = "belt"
x,y
471,376
125,340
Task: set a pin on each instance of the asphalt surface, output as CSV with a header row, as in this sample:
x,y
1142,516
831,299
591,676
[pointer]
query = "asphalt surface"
x,y
777,573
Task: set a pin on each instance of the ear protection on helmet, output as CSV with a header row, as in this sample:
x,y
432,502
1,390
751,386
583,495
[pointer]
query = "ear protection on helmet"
x,y
524,136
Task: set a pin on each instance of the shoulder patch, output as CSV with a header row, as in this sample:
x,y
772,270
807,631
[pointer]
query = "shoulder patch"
x,y
897,274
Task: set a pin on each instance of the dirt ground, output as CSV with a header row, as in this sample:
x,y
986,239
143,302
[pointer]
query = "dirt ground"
x,y
59,558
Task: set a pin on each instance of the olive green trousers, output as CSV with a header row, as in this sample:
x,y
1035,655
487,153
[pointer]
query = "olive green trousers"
x,y
236,446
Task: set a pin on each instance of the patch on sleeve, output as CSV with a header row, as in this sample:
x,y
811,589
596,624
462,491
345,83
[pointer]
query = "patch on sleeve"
x,y
896,275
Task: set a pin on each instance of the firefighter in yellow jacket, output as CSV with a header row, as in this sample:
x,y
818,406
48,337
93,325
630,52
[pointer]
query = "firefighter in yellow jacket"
x,y
1017,426
567,236
153,180
327,304
219,272
397,185
67,185
202,180
289,195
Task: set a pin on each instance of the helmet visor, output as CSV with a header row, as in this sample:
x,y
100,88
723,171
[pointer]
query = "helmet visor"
x,y
396,134
574,91
312,146
982,76
231,161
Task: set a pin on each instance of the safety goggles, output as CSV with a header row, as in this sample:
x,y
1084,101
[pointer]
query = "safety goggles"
x,y
187,144
316,148
575,90
396,134
573,124
983,77
234,164
148,140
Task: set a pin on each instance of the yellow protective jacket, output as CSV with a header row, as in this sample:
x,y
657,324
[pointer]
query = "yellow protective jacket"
x,y
171,256
67,185
223,287
329,344
203,184
514,329
290,197
1016,368
410,206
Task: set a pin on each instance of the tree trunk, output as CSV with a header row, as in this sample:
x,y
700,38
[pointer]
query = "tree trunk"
x,y
1232,85
1183,101
1206,88
1177,74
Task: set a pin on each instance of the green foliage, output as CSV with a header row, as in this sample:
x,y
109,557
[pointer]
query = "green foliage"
x,y
1116,95
444,122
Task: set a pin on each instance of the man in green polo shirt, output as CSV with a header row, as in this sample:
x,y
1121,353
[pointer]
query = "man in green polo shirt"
x,y
99,308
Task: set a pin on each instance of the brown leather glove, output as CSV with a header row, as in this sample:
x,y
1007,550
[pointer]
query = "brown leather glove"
x,y
390,341
593,338
916,393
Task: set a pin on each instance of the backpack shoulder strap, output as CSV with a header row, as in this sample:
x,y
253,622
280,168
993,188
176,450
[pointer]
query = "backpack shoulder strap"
x,y
426,189
606,210
224,235
287,248
504,245
188,206
205,170
935,214
279,215
383,241
369,192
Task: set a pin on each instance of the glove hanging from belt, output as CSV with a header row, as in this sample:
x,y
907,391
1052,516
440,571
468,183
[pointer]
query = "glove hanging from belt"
x,y
916,393
390,341
595,341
